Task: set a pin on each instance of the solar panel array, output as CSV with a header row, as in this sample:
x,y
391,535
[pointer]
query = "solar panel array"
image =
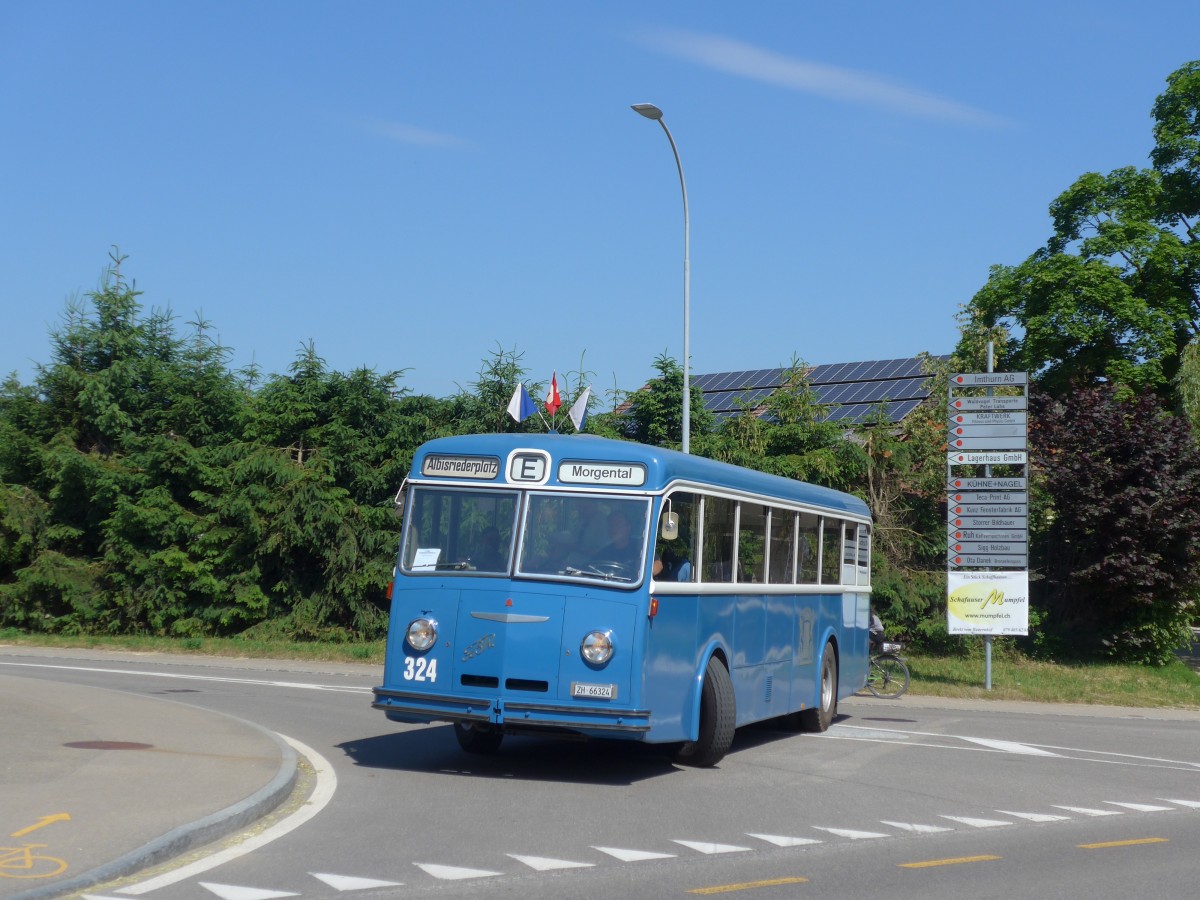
x,y
852,392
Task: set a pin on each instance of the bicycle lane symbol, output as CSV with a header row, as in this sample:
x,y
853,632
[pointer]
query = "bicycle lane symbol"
x,y
22,862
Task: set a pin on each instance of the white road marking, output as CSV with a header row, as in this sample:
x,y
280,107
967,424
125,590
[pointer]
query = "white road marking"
x,y
1191,804
545,864
1140,807
1010,746
326,785
633,855
339,688
711,849
851,834
916,829
1034,817
453,873
780,840
353,883
237,892
1084,811
977,823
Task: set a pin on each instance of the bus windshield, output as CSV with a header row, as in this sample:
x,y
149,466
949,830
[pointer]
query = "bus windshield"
x,y
460,530
585,536
575,536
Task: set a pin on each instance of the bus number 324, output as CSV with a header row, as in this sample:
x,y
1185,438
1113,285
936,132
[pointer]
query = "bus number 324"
x,y
420,669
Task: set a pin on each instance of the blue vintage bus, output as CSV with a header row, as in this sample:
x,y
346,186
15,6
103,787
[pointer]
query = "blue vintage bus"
x,y
574,585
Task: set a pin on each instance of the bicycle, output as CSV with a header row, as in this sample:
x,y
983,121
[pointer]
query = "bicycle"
x,y
21,862
888,675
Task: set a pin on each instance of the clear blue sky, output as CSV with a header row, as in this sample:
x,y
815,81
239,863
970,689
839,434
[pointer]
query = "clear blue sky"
x,y
412,185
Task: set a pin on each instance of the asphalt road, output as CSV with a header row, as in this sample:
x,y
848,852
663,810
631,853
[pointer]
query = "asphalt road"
x,y
910,797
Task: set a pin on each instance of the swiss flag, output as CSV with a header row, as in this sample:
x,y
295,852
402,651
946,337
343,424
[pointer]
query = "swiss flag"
x,y
553,401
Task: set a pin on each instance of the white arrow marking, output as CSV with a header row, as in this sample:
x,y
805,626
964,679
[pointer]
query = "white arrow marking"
x,y
976,823
543,864
1034,817
918,829
1083,811
633,855
853,835
1192,804
701,847
453,873
236,892
1140,807
780,840
353,883
1009,747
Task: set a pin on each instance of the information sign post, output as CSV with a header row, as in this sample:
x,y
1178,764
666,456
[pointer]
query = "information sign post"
x,y
987,513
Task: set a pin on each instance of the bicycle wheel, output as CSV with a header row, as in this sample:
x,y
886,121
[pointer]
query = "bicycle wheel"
x,y
887,677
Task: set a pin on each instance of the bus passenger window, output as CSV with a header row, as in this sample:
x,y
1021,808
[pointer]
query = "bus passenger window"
x,y
676,555
752,544
831,551
808,540
783,526
719,527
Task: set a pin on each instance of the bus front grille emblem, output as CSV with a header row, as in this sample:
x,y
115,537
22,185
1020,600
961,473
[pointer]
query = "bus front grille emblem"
x,y
473,649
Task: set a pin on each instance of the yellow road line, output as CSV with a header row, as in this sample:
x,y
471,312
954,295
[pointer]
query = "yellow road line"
x,y
1130,843
747,885
930,863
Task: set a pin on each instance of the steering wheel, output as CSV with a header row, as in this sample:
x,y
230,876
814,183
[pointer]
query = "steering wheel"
x,y
608,568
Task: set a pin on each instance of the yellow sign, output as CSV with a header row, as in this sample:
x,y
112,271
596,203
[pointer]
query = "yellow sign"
x,y
987,603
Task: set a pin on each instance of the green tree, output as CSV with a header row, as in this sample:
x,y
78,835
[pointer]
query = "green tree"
x,y
1119,547
1114,295
653,414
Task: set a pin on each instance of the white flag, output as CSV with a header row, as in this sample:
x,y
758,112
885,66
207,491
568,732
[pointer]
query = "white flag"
x,y
521,407
578,411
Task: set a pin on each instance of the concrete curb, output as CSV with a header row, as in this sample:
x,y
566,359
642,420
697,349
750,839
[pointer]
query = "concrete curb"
x,y
191,835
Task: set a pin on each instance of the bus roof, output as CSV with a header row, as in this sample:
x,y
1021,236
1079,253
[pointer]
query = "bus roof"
x,y
587,461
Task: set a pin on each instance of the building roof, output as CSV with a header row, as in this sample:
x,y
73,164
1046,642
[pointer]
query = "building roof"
x,y
853,391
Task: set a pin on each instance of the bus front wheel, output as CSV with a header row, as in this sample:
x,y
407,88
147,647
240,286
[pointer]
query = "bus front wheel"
x,y
821,717
717,717
477,739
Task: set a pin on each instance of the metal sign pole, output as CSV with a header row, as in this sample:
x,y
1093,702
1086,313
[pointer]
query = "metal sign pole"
x,y
987,473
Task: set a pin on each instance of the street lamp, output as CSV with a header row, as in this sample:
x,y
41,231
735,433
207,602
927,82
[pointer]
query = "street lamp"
x,y
650,111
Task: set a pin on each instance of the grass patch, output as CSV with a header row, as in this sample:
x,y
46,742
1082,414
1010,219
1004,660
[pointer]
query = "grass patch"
x,y
234,648
1018,678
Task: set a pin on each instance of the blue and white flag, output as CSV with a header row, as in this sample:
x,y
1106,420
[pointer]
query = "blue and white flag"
x,y
521,406
578,411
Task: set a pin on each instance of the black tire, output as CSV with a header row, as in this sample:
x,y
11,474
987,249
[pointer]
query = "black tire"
x,y
717,718
888,676
821,717
478,739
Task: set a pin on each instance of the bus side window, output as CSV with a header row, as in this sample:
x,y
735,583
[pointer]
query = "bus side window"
x,y
752,543
677,554
719,528
809,540
831,551
783,525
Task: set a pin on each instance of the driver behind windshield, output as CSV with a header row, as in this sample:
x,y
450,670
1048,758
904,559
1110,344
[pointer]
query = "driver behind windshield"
x,y
621,549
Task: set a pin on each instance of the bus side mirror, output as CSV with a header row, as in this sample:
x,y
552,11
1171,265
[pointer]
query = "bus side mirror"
x,y
398,508
670,526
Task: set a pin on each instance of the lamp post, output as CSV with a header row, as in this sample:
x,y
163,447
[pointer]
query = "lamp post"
x,y
650,111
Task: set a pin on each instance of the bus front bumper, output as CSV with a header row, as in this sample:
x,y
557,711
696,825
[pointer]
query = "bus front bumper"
x,y
589,719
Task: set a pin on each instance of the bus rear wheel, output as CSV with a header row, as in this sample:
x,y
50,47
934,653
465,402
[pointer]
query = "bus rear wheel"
x,y
477,739
821,717
717,717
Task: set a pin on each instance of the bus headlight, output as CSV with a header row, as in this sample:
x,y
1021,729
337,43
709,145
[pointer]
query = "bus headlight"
x,y
597,647
421,634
